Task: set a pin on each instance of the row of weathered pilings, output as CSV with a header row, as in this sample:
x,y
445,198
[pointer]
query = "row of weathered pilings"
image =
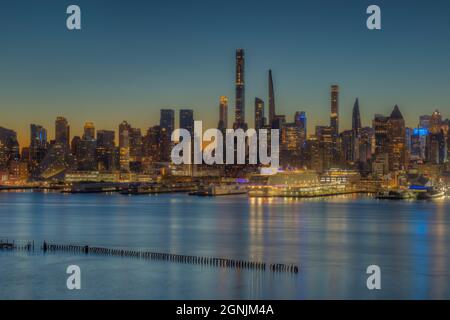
x,y
170,257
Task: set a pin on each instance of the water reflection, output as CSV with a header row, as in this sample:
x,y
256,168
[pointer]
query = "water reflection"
x,y
332,240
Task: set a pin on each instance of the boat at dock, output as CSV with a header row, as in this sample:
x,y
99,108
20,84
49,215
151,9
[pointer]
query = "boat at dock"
x,y
431,193
220,190
395,195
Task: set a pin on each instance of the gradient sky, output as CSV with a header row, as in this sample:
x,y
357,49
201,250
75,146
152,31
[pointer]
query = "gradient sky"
x,y
133,58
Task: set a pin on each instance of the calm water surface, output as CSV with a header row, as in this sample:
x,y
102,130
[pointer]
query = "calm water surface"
x,y
332,240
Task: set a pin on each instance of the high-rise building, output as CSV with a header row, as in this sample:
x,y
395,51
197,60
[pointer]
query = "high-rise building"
x,y
334,115
435,122
124,146
334,123
38,144
106,150
356,117
62,131
424,121
187,120
167,125
259,114
436,148
380,127
398,155
239,119
89,131
223,114
301,122
272,111
9,147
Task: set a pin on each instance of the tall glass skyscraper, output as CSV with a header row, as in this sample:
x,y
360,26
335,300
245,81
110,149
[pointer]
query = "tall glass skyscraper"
x,y
272,112
239,120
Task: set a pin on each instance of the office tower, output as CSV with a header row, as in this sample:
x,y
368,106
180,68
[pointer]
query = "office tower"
x,y
435,122
86,155
89,131
152,146
301,122
38,144
380,127
436,148
424,121
356,117
334,123
187,120
272,111
74,144
348,146
106,150
62,131
366,139
239,118
9,147
167,124
136,149
223,114
124,146
398,159
334,115
292,140
312,156
327,148
259,113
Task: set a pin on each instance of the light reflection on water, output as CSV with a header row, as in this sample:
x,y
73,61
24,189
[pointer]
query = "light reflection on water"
x,y
333,240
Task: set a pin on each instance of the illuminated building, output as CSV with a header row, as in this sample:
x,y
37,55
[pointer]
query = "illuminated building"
x,y
105,150
187,120
259,113
239,120
334,122
398,159
223,114
62,131
167,124
301,122
124,146
291,145
136,149
380,127
89,131
9,147
436,148
272,111
18,171
435,122
38,145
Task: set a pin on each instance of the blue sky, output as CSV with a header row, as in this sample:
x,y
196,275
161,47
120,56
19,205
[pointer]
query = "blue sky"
x,y
132,58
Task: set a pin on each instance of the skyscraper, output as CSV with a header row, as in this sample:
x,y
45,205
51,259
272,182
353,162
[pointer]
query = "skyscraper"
x,y
124,146
239,120
397,141
62,131
187,120
89,131
167,124
301,122
105,150
38,144
334,124
272,112
334,115
259,113
223,114
356,117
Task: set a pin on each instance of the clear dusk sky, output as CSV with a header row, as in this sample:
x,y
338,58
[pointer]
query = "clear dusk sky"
x,y
133,58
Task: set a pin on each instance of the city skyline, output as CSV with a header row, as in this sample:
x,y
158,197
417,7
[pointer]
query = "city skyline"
x,y
76,76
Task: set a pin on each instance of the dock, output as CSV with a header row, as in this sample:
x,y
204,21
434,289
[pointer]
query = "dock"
x,y
157,256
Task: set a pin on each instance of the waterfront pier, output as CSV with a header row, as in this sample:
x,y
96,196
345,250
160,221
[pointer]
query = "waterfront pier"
x,y
158,256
